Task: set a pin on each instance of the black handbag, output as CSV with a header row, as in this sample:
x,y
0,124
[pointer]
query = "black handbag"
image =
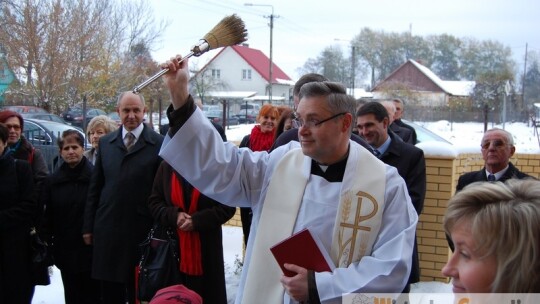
x,y
159,264
41,259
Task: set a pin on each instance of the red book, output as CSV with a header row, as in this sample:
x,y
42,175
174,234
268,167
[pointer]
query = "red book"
x,y
303,249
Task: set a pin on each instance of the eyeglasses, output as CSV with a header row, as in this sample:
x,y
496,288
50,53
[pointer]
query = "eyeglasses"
x,y
310,123
497,144
14,127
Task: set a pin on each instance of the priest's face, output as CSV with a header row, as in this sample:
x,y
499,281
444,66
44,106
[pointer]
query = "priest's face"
x,y
324,135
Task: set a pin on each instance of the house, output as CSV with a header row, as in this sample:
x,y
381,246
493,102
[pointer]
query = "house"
x,y
241,74
421,86
6,77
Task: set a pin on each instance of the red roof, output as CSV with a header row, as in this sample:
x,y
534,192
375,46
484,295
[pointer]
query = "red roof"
x,y
257,60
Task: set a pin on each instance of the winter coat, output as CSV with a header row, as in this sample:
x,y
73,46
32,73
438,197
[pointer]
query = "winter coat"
x,y
207,221
117,206
64,197
17,208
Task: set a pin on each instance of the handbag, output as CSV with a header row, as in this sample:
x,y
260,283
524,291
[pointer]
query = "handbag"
x,y
41,259
159,263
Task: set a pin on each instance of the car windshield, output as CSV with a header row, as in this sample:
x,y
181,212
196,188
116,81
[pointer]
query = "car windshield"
x,y
56,128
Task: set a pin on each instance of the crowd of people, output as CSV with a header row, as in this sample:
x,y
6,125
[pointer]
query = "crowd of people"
x,y
347,171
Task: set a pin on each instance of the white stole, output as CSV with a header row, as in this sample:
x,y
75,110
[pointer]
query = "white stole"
x,y
364,178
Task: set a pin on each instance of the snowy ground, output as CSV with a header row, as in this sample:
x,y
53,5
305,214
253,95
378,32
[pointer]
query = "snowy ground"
x,y
465,136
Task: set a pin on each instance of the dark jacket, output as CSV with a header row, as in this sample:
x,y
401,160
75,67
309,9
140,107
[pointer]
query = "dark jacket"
x,y
64,197
17,208
400,123
404,133
480,176
117,211
207,221
411,165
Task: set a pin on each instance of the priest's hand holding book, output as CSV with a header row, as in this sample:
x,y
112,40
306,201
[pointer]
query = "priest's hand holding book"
x,y
297,285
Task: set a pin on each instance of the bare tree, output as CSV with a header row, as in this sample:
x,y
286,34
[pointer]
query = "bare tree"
x,y
62,50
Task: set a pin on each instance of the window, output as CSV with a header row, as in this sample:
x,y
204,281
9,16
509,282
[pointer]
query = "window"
x,y
216,73
246,74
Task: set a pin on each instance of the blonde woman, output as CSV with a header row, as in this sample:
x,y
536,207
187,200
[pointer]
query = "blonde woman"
x,y
495,228
98,127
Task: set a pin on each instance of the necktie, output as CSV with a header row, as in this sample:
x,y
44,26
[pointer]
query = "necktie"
x,y
491,178
130,140
377,153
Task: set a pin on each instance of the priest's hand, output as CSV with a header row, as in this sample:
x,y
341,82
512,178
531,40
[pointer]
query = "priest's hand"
x,y
297,286
176,80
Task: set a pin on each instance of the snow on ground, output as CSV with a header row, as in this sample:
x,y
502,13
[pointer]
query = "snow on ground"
x,y
464,136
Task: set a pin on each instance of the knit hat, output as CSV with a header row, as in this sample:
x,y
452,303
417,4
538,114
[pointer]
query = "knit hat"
x,y
176,294
4,115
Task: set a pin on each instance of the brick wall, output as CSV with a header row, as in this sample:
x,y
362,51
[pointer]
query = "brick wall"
x,y
442,175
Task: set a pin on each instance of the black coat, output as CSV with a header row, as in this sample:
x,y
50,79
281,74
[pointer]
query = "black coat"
x,y
64,197
404,133
400,123
117,211
18,206
480,176
207,221
411,165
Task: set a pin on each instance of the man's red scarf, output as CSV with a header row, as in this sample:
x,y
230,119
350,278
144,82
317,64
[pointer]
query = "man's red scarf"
x,y
189,241
259,141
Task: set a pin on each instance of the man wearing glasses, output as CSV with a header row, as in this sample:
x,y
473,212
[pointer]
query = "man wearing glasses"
x,y
497,148
357,206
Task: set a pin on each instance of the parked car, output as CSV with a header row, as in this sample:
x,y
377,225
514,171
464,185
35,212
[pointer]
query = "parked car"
x,y
43,134
250,107
24,109
217,117
44,116
114,116
425,135
248,117
75,115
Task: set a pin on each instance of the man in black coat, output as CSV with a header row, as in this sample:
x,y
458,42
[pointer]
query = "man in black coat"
x,y
400,107
405,134
372,122
497,148
117,217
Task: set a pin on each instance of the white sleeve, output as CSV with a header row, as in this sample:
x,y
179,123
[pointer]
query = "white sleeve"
x,y
387,268
222,171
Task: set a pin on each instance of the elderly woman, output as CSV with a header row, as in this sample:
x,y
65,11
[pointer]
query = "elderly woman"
x,y
17,207
261,138
20,148
98,127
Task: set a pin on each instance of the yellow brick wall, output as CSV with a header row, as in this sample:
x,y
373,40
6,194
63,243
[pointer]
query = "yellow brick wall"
x,y
235,220
442,176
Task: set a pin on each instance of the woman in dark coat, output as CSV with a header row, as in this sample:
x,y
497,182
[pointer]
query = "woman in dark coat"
x,y
64,197
17,208
197,220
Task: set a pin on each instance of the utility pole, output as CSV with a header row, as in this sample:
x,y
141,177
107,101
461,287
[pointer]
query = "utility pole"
x,y
524,77
353,67
271,63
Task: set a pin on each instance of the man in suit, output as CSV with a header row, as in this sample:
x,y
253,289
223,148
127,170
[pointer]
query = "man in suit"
x,y
117,217
404,133
372,122
400,107
497,148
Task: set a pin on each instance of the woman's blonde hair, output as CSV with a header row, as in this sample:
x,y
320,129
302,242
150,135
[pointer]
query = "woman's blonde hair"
x,y
102,121
505,223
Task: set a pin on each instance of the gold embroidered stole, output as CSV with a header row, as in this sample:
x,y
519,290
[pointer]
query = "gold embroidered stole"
x,y
355,230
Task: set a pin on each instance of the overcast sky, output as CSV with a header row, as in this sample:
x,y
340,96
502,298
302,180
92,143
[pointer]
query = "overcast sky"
x,y
302,29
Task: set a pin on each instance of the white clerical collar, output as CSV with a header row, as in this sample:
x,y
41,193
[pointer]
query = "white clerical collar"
x,y
499,174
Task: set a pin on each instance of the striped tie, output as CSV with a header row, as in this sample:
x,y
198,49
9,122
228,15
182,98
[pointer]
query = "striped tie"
x,y
491,178
377,153
130,140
